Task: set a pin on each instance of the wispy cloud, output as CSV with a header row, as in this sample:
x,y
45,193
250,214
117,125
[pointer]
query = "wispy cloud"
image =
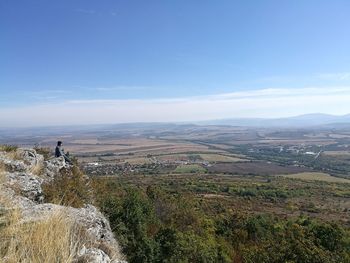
x,y
50,91
335,76
44,98
268,103
86,11
47,95
94,12
120,88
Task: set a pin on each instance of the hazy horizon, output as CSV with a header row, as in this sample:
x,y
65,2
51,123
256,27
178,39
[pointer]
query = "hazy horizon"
x,y
287,122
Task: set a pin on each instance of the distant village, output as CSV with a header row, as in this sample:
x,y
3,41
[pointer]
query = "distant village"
x,y
153,166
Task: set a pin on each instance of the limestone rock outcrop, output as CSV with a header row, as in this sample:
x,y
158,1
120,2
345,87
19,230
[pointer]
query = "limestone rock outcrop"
x,y
23,188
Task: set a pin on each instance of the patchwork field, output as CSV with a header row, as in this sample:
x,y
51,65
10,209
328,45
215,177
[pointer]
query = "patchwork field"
x,y
156,148
136,146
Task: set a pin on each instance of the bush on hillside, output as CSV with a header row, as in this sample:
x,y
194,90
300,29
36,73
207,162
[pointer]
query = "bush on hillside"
x,y
156,225
70,188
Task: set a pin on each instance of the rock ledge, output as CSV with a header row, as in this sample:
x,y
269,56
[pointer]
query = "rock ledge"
x,y
22,187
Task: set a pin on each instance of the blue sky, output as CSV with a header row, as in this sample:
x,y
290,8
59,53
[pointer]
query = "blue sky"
x,y
84,53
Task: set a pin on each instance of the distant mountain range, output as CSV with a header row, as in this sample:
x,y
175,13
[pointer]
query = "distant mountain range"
x,y
317,120
307,120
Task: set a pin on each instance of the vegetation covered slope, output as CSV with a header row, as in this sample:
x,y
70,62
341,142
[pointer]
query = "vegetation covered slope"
x,y
162,219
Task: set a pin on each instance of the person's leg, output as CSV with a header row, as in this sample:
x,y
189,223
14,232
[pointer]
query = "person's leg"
x,y
67,159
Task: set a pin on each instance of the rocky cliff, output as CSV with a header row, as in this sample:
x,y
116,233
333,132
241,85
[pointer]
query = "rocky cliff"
x,y
21,187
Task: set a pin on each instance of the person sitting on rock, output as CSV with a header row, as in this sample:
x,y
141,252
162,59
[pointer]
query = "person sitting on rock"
x,y
59,151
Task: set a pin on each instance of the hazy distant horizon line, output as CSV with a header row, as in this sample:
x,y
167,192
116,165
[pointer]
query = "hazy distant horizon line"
x,y
262,103
194,122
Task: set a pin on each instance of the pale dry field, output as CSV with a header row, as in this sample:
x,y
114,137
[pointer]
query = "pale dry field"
x,y
339,136
173,157
220,158
118,145
296,141
138,145
140,160
336,153
134,151
315,176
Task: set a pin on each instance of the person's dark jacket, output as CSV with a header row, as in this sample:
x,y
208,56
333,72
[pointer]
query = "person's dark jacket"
x,y
59,151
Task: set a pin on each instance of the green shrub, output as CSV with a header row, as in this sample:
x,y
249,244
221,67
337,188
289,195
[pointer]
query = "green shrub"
x,y
158,223
70,188
132,218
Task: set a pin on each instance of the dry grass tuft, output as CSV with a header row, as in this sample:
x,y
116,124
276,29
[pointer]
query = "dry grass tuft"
x,y
46,152
8,148
37,169
54,239
2,173
14,155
